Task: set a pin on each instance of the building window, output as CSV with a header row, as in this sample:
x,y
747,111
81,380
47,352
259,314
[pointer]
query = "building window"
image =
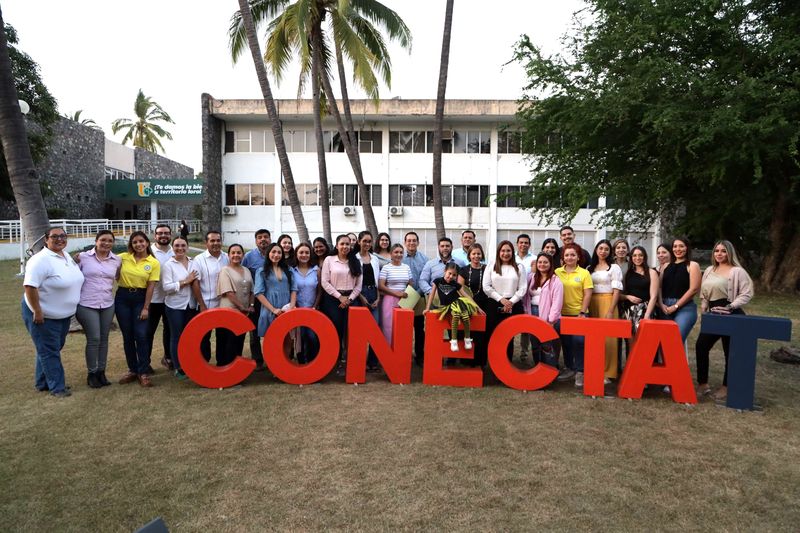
x,y
401,142
509,142
452,195
249,194
349,195
370,142
511,201
471,142
242,140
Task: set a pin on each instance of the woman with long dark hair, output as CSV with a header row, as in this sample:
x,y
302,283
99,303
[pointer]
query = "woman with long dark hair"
x,y
138,275
726,288
96,307
471,277
640,295
544,298
505,283
341,282
663,257
680,281
607,282
321,250
276,289
286,244
306,276
382,251
550,247
369,296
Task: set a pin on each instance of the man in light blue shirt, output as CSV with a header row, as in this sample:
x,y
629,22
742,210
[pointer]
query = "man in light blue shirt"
x,y
434,268
416,260
461,255
252,261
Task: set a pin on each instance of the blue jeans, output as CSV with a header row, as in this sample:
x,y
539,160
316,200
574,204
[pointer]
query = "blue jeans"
x,y
685,317
309,346
177,319
48,339
572,346
371,294
135,337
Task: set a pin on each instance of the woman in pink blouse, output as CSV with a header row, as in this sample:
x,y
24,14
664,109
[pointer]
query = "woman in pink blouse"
x,y
341,281
544,299
96,307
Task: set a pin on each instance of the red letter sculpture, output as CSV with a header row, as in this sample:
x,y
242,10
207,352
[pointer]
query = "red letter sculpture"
x,y
436,348
365,333
640,369
192,361
595,331
287,370
537,377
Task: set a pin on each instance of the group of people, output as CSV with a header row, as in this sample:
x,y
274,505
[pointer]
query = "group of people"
x,y
158,283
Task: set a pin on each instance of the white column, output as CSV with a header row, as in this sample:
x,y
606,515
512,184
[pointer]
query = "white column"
x,y
153,213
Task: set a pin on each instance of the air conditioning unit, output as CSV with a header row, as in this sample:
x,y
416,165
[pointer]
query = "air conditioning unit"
x,y
447,135
396,211
349,211
229,210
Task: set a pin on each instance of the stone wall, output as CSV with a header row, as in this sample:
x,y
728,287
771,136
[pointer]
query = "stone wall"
x,y
212,165
157,167
72,174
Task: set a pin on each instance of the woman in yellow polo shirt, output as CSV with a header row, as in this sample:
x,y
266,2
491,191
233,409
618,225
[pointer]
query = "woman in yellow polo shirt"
x,y
138,275
577,282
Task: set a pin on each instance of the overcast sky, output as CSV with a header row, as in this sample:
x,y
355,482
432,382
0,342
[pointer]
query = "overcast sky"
x,y
95,55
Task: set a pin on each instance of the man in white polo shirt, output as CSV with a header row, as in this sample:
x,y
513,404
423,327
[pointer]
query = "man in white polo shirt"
x,y
162,250
208,265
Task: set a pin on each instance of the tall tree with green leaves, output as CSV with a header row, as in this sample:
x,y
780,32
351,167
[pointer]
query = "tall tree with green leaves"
x,y
19,162
249,27
144,131
353,28
438,121
686,110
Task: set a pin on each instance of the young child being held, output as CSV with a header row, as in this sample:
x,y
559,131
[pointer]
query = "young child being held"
x,y
455,303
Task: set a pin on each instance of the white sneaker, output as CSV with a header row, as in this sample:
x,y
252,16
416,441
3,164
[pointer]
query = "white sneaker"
x,y
606,381
667,390
467,343
454,345
579,379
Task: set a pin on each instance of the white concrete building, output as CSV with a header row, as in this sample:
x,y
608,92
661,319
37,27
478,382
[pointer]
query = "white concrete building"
x,y
481,158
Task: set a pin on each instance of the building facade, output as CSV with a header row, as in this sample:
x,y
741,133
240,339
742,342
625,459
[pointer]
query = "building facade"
x,y
77,167
481,159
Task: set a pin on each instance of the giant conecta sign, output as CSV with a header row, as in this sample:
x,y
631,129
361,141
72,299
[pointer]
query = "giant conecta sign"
x,y
641,368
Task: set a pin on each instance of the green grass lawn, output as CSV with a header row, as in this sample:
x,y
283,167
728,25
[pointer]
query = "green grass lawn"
x,y
379,456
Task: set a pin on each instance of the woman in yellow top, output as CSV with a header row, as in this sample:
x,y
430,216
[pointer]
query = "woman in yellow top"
x,y
138,275
577,282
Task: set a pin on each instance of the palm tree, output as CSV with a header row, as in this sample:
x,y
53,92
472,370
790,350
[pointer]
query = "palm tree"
x,y
352,25
436,175
14,138
143,130
89,123
277,130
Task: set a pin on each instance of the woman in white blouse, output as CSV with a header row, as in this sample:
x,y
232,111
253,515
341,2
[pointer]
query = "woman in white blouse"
x,y
505,283
179,303
607,280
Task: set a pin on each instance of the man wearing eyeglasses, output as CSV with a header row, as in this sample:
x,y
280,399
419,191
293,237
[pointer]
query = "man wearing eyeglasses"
x,y
162,250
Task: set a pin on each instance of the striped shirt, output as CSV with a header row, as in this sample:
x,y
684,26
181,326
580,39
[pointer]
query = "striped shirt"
x,y
396,276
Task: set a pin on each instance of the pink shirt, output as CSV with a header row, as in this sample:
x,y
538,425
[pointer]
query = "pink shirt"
x,y
336,277
99,276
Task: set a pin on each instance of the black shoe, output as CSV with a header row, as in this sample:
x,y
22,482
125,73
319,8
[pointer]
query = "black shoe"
x,y
61,394
101,377
149,371
93,380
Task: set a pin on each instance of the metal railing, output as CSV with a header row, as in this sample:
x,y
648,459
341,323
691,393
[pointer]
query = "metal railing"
x,y
11,230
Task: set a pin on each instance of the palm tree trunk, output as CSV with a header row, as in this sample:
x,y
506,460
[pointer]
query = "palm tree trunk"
x,y
21,171
436,175
352,151
324,193
348,116
277,129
